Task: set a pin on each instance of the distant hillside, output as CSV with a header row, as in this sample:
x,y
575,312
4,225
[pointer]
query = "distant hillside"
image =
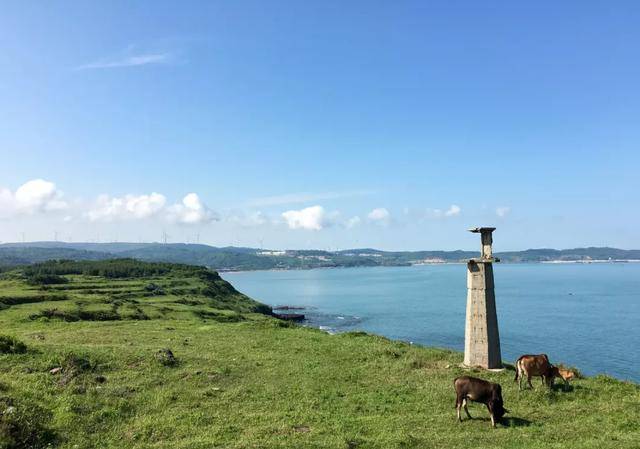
x,y
219,258
11,256
232,258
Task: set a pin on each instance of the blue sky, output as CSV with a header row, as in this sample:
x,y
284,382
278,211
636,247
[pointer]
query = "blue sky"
x,y
321,124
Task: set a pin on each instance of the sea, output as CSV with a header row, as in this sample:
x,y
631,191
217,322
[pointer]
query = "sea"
x,y
585,315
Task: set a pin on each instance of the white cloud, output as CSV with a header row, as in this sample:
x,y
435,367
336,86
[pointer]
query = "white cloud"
x,y
253,219
502,211
128,207
452,211
311,218
128,61
353,222
32,197
191,211
380,215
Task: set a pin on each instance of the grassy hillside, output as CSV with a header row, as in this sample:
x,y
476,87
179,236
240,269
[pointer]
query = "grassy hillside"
x,y
93,373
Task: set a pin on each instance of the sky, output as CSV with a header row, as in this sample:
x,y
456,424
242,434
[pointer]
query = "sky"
x,y
329,125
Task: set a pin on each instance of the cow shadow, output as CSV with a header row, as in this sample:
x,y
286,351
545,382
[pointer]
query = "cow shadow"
x,y
513,421
562,388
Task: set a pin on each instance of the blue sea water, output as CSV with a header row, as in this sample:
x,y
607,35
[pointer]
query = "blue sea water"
x,y
584,315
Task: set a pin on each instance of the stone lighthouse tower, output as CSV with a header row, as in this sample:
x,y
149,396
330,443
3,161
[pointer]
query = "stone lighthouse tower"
x,y
481,337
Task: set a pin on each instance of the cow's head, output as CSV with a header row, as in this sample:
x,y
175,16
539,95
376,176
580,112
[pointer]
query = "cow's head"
x,y
496,406
551,374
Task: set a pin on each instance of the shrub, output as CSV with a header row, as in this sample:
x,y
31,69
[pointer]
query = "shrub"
x,y
77,363
11,345
165,357
356,334
46,279
77,315
154,289
55,314
113,268
31,299
72,365
219,317
24,425
138,314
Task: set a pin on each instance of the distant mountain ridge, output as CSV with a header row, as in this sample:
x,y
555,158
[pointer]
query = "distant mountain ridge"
x,y
242,258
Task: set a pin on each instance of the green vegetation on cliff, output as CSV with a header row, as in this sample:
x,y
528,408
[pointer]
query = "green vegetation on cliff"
x,y
124,354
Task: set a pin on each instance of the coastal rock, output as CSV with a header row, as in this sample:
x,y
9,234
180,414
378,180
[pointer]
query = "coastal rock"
x,y
289,308
290,316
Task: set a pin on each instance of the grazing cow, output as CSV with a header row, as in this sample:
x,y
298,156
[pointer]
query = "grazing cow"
x,y
478,390
564,374
535,365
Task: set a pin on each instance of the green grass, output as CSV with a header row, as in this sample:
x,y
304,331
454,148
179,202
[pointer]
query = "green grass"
x,y
245,380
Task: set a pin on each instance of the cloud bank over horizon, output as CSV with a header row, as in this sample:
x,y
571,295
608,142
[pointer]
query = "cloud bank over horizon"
x,y
142,213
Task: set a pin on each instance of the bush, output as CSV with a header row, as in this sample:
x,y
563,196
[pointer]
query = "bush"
x,y
165,357
356,334
77,315
24,425
219,317
73,367
154,289
113,268
77,363
55,314
11,345
46,279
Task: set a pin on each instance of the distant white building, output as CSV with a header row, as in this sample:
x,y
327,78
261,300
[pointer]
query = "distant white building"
x,y
271,253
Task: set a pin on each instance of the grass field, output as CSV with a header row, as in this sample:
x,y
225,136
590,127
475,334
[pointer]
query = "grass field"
x,y
242,379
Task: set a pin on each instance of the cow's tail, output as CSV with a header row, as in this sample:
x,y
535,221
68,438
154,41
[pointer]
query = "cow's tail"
x,y
517,369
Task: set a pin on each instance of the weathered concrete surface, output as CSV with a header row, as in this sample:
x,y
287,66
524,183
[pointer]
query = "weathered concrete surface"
x,y
486,252
481,337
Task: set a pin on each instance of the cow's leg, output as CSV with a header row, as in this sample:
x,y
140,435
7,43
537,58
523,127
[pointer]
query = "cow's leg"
x,y
520,379
529,380
493,420
458,406
464,404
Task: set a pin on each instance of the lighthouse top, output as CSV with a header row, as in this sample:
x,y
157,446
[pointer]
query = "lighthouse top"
x,y
487,240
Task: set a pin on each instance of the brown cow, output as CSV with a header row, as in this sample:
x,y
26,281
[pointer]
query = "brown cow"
x,y
535,365
564,374
478,390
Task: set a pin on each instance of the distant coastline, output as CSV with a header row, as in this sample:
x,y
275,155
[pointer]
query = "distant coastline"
x,y
231,259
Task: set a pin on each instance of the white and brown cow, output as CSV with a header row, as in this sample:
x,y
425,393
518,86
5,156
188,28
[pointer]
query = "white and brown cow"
x,y
530,365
